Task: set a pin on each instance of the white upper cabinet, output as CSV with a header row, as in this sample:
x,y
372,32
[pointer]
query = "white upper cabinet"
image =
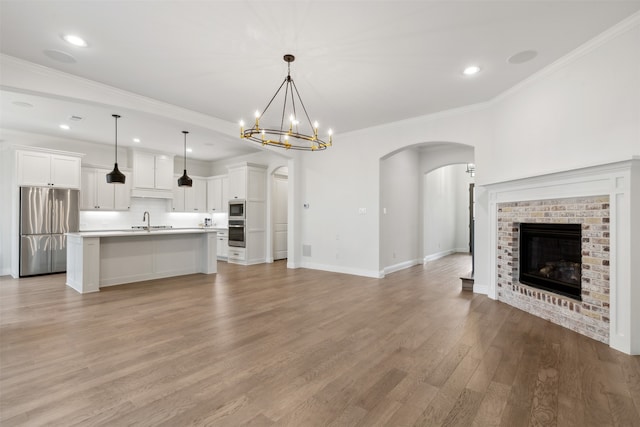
x,y
238,182
195,197
97,194
247,181
47,169
164,172
152,172
144,170
217,194
190,199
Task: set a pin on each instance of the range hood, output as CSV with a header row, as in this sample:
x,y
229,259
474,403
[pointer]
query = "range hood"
x,y
151,193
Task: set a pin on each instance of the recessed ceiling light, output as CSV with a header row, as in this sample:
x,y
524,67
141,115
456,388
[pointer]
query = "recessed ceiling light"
x,y
22,104
59,56
74,40
471,70
522,57
136,139
189,150
64,127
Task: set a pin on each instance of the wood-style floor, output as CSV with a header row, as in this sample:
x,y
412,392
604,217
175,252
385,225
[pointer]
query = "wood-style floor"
x,y
263,345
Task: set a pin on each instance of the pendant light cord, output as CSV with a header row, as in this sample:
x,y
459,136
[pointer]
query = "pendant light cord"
x,y
185,149
116,117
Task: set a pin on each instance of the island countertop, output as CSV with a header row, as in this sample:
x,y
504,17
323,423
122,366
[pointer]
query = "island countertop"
x,y
136,232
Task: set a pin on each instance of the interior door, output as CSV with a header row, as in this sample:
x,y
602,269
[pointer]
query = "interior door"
x,y
280,217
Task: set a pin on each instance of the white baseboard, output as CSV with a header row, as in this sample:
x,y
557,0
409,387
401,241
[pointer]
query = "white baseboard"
x,y
437,255
343,270
400,266
442,254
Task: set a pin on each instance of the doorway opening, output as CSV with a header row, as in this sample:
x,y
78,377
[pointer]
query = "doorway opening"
x,y
280,218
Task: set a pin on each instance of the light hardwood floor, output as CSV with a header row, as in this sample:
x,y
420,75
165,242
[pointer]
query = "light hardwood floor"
x,y
264,345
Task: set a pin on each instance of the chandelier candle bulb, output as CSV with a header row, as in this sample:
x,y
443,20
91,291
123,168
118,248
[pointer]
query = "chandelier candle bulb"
x,y
241,129
257,119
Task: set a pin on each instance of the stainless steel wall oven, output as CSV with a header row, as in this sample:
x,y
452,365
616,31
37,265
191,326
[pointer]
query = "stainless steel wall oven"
x,y
237,233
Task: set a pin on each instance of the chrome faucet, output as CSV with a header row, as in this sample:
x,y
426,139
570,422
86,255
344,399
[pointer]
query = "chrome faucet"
x,y
146,215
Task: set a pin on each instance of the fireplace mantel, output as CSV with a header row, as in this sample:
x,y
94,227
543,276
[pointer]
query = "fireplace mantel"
x,y
619,181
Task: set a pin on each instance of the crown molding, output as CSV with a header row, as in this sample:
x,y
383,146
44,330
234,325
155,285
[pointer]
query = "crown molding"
x,y
609,34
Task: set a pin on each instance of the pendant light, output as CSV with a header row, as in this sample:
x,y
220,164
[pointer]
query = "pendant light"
x,y
184,180
115,176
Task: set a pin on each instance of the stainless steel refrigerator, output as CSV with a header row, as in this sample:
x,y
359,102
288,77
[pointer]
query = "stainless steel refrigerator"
x,y
45,215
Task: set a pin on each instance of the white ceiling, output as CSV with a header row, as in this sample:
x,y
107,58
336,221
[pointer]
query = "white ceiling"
x,y
358,63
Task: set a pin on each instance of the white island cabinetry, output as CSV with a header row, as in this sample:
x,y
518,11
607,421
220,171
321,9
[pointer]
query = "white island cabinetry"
x,y
97,259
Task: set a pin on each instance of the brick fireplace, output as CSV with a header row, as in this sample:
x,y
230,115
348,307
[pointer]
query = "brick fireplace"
x,y
603,199
590,316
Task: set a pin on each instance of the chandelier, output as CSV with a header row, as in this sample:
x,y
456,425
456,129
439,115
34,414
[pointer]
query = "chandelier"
x,y
292,134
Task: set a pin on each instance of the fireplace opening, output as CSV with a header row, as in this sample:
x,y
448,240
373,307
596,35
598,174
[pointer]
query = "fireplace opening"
x,y
551,258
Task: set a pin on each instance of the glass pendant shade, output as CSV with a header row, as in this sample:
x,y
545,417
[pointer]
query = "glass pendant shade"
x,y
115,176
184,180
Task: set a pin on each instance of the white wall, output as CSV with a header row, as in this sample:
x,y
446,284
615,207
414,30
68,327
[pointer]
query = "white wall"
x,y
7,206
194,167
399,201
446,213
582,111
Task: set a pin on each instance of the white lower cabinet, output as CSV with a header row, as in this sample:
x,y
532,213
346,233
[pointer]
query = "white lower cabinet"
x,y
237,254
223,245
97,194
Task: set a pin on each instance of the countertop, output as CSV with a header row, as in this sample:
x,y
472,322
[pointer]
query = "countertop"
x,y
125,233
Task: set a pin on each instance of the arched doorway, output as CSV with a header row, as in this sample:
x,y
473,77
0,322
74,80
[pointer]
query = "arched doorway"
x,y
403,228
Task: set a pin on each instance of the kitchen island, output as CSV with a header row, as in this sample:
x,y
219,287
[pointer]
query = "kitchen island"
x,y
97,259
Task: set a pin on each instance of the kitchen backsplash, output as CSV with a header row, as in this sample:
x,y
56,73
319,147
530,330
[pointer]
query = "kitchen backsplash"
x,y
158,208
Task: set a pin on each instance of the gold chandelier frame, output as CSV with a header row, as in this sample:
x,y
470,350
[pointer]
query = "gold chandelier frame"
x,y
291,137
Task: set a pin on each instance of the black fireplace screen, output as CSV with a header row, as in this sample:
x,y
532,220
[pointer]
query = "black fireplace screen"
x,y
551,257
